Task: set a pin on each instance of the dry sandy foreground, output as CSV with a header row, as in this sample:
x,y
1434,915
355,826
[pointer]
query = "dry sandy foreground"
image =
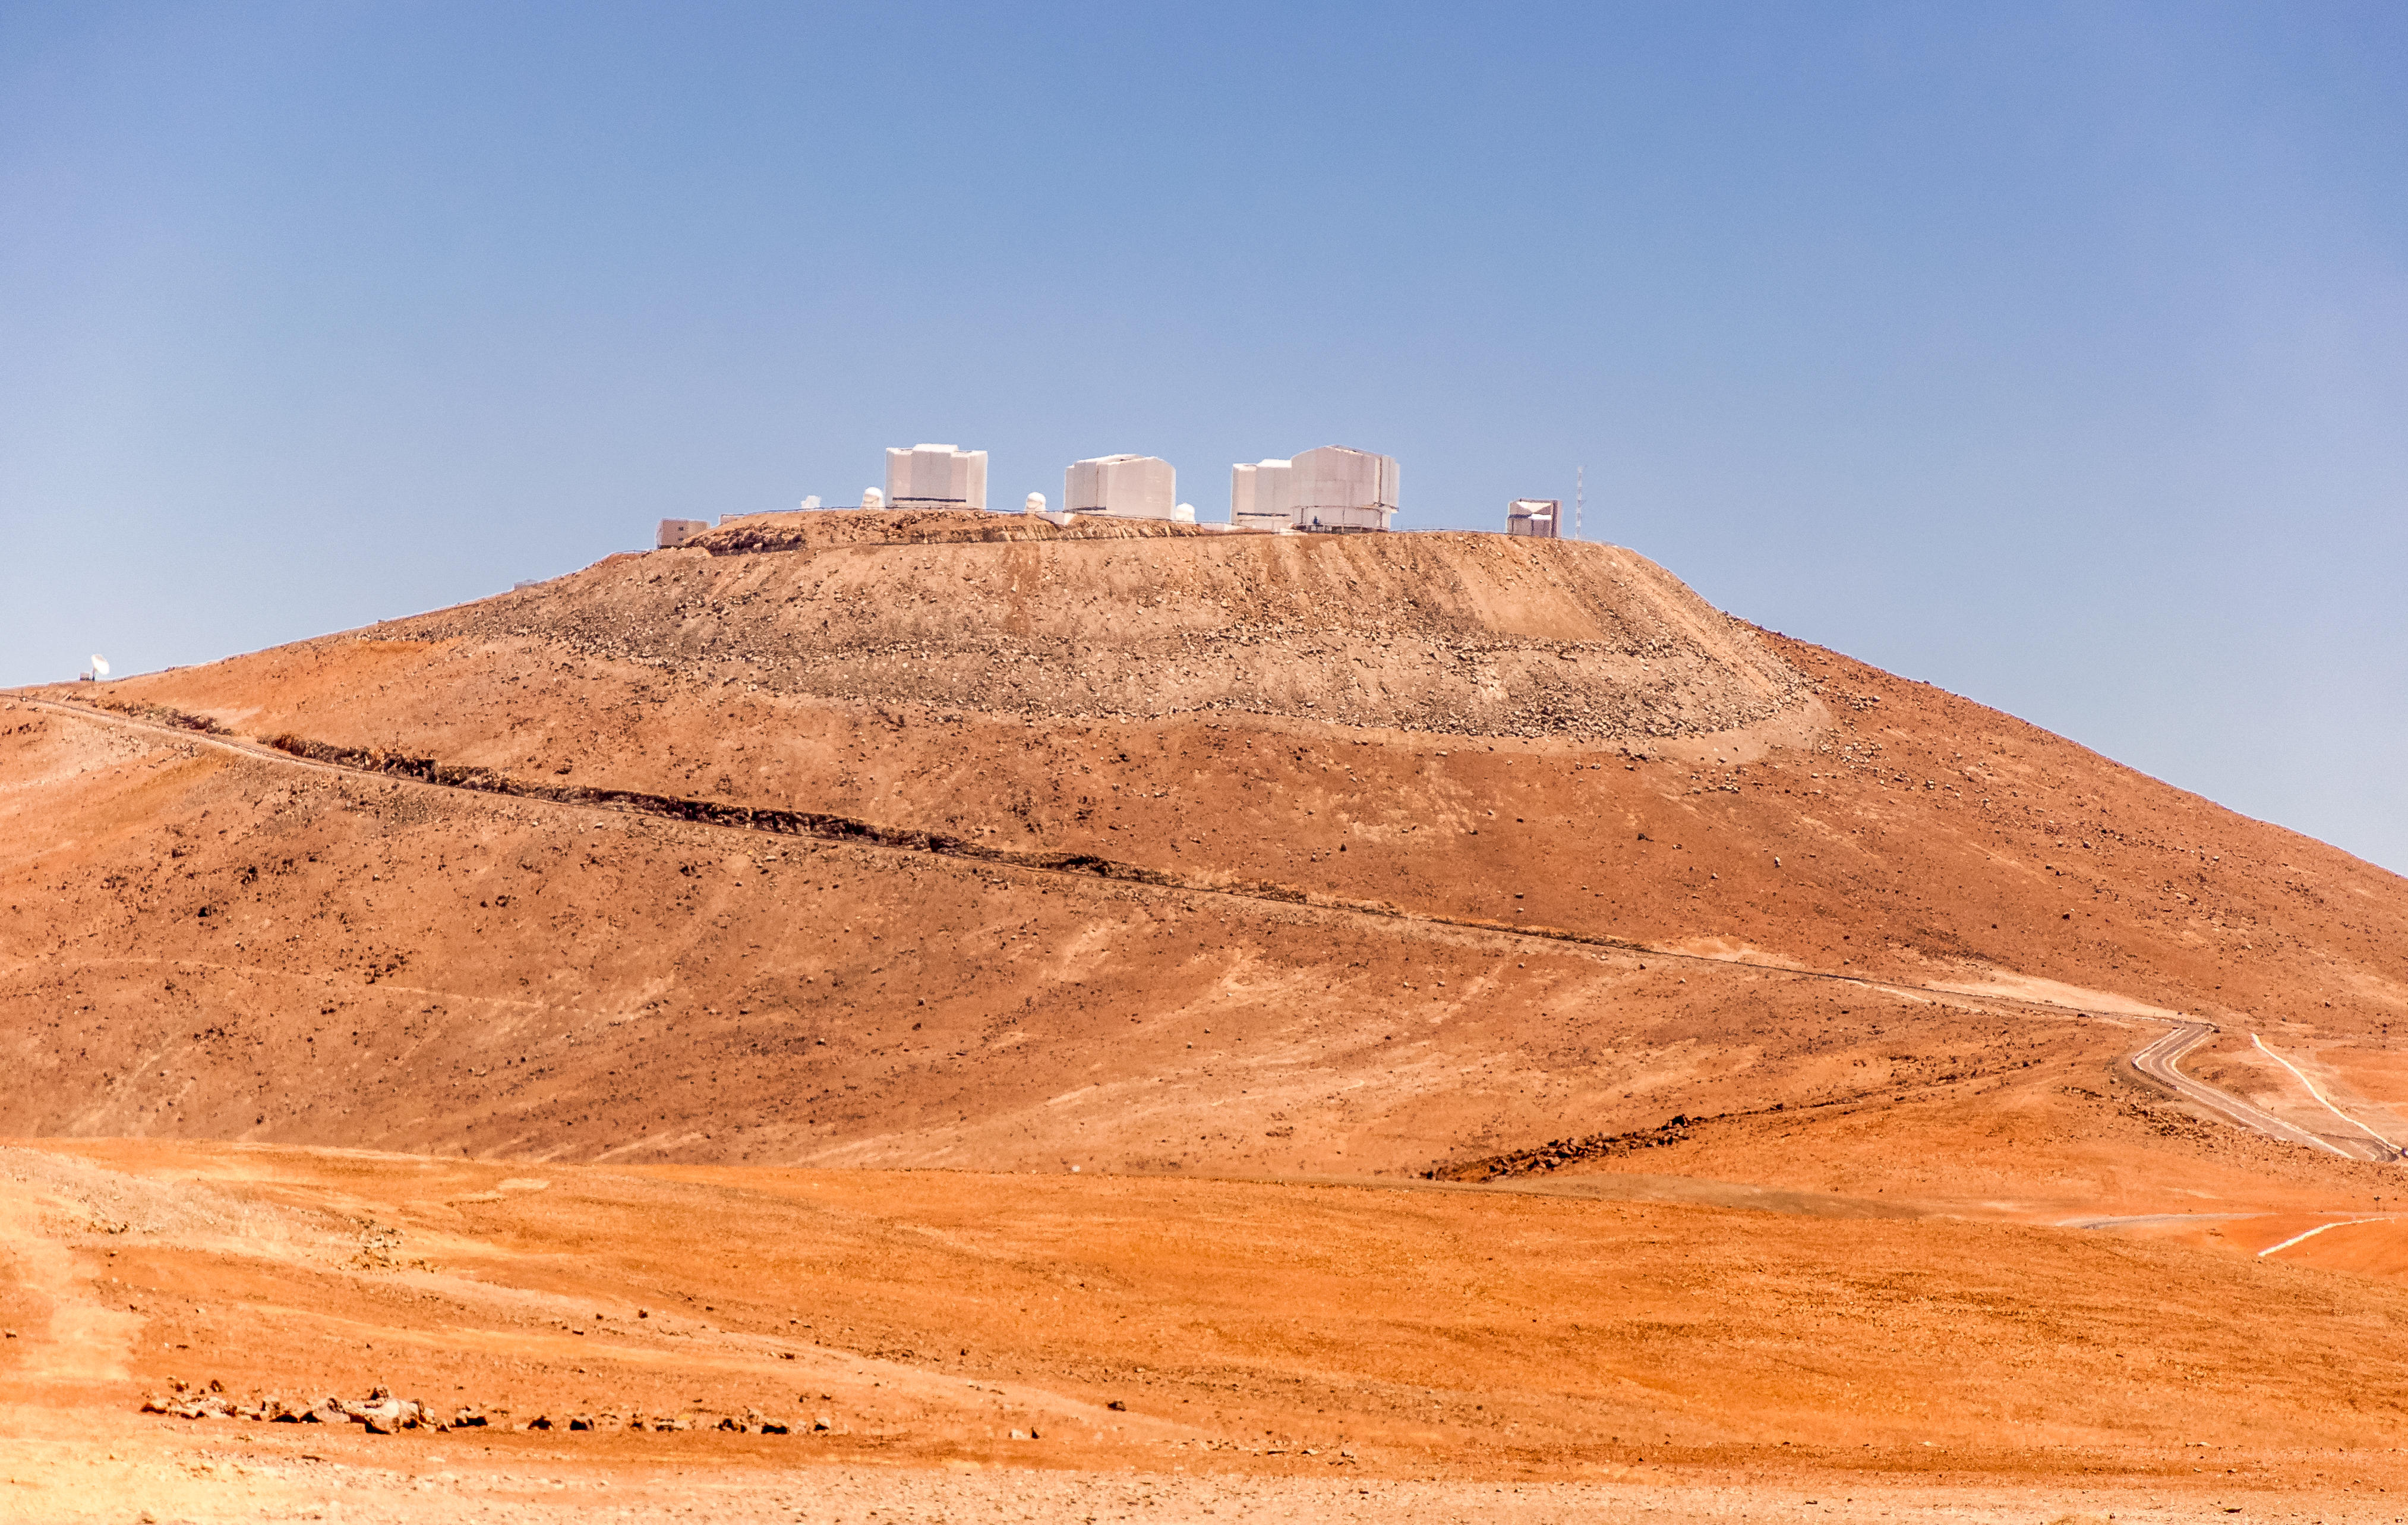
x,y
1100,1348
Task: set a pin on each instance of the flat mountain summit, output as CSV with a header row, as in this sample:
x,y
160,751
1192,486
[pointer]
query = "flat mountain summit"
x,y
1458,634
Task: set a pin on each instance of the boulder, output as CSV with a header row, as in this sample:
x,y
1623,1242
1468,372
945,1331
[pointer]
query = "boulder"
x,y
381,1413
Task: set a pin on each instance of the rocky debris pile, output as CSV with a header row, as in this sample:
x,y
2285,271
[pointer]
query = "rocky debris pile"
x,y
752,1422
827,529
379,1413
1555,1154
381,1251
383,1414
160,714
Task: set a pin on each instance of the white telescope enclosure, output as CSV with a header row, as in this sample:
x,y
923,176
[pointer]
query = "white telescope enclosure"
x,y
936,477
1258,495
1123,487
1339,488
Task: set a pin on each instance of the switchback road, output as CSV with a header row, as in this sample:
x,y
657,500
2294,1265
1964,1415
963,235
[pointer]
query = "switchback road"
x,y
2160,1060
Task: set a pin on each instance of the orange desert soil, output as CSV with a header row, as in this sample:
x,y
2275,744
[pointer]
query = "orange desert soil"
x,y
1398,1350
1783,1006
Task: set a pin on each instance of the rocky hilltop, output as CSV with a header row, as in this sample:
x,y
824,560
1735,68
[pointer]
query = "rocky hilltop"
x,y
1460,634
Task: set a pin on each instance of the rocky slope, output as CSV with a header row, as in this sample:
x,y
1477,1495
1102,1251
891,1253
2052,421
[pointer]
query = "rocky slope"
x,y
1298,796
1453,633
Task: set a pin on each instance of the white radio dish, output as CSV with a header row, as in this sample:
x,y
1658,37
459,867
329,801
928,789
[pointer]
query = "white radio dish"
x,y
100,665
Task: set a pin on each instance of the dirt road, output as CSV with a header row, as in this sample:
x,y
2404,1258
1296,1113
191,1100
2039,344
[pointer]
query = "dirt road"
x,y
2160,1060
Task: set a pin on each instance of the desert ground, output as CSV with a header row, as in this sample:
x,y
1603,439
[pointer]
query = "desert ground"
x,y
940,1016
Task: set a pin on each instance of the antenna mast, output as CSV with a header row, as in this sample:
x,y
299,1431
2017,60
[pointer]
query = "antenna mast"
x,y
1580,491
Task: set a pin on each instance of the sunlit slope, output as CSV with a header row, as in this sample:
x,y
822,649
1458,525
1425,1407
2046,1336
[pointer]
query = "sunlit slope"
x,y
220,946
1445,728
903,683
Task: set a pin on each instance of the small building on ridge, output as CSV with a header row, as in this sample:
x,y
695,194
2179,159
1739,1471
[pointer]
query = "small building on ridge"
x,y
1537,518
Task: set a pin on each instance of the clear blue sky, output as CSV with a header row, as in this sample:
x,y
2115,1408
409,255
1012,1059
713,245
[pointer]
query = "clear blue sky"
x,y
2057,354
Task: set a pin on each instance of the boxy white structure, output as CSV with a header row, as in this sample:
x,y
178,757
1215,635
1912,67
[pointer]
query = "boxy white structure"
x,y
1122,487
1537,518
1332,488
1258,496
935,477
1338,488
676,532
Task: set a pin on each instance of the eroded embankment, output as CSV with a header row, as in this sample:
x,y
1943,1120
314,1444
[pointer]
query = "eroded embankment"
x,y
789,823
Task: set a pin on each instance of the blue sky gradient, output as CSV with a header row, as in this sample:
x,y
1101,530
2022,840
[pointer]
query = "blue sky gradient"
x,y
2057,354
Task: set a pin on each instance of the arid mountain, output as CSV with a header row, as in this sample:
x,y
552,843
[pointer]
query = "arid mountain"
x,y
1486,1022
854,839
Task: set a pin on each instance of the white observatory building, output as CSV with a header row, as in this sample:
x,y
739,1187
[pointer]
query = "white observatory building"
x,y
935,477
1258,495
1535,518
1336,488
1122,487
1333,489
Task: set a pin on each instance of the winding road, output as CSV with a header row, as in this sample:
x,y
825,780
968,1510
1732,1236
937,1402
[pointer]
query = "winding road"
x,y
2159,1059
